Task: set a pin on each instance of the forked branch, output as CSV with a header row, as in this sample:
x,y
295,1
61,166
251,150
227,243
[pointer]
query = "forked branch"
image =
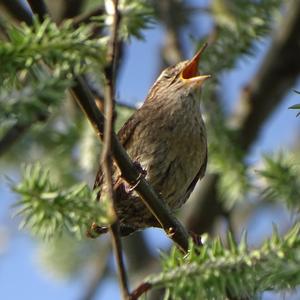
x,y
106,159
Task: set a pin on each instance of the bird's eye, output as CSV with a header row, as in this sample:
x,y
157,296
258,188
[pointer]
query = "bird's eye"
x,y
166,74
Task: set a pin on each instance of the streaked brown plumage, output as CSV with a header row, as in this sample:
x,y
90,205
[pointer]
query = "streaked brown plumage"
x,y
167,137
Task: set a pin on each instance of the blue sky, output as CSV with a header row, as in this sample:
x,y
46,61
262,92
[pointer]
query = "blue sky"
x,y
20,275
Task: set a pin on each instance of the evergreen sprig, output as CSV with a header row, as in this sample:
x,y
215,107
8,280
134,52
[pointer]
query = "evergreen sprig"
x,y
49,210
63,48
238,24
282,177
215,272
34,99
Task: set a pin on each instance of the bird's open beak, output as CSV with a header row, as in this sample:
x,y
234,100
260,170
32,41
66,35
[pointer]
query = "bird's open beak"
x,y
190,73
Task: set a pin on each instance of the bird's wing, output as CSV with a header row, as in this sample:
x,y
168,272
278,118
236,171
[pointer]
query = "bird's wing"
x,y
199,176
127,130
124,135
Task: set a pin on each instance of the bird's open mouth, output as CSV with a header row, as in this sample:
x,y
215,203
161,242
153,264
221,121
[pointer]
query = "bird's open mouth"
x,y
190,73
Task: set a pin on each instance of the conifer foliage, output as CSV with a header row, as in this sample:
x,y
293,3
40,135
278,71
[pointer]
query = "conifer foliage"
x,y
45,132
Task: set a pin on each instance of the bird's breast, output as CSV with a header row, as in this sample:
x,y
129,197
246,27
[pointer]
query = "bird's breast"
x,y
172,148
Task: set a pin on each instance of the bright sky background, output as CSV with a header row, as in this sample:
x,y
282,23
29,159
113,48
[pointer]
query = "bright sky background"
x,y
20,274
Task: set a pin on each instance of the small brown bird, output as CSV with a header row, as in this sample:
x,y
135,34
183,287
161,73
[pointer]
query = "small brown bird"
x,y
167,138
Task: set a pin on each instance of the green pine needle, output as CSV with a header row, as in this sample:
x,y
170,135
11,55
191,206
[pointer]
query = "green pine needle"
x,y
34,99
216,272
63,48
282,177
48,210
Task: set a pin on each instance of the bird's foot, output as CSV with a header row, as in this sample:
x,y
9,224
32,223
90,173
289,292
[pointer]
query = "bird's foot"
x,y
142,174
95,230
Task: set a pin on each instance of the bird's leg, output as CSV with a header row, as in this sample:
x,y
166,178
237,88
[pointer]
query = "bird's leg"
x,y
142,174
132,187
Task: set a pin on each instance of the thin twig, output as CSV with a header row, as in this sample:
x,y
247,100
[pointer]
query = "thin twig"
x,y
41,10
140,290
157,207
117,247
149,197
109,95
154,203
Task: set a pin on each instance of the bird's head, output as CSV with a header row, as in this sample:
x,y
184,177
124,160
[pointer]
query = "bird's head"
x,y
181,79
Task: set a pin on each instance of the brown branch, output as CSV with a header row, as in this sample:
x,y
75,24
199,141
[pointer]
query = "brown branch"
x,y
109,95
140,290
117,247
41,11
154,203
172,227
